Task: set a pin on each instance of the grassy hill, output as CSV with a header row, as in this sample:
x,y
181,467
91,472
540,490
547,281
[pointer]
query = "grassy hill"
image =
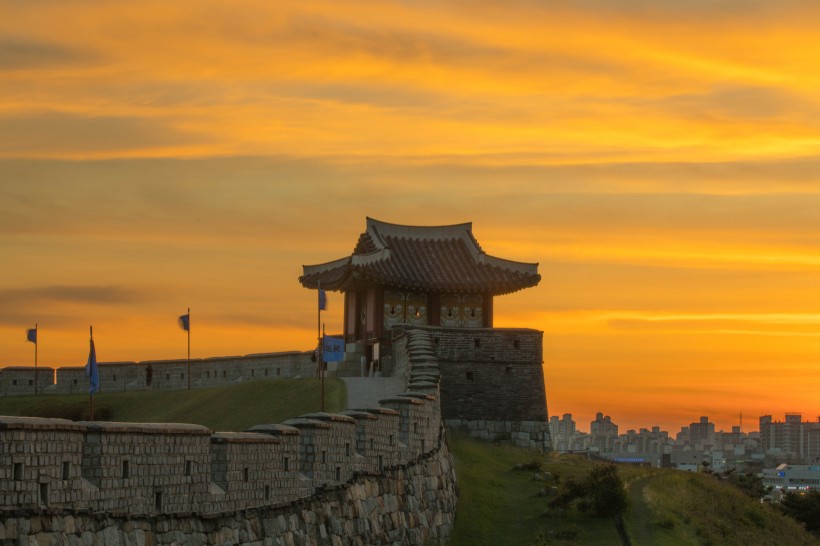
x,y
233,408
498,505
501,505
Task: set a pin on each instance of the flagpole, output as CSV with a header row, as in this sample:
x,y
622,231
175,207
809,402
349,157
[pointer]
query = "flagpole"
x,y
322,361
35,357
319,360
189,348
91,390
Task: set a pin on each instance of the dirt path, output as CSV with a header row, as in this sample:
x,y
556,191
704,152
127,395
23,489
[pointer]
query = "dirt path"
x,y
638,521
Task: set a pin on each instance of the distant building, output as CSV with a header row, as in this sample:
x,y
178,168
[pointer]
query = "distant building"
x,y
603,432
683,437
562,432
792,440
702,434
790,477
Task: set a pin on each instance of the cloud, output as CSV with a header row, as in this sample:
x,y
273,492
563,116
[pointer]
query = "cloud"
x,y
21,318
58,133
760,325
24,53
104,295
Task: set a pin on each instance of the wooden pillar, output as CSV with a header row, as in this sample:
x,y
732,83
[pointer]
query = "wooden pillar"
x,y
488,310
434,311
378,311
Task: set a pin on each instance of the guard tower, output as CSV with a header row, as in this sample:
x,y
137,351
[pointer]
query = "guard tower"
x,y
417,275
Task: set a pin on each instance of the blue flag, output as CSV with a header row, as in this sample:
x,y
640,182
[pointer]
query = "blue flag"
x,y
322,300
31,335
91,370
333,349
185,322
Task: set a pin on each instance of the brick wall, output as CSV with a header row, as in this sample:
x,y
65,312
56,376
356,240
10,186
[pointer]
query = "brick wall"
x,y
157,475
491,382
158,374
490,373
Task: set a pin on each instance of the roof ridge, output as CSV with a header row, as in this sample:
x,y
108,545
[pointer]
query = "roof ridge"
x,y
437,258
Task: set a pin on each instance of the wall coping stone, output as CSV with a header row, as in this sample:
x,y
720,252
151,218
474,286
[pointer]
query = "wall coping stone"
x,y
421,385
27,368
416,377
301,422
401,400
40,423
434,329
359,414
243,437
418,395
330,417
275,429
146,428
378,410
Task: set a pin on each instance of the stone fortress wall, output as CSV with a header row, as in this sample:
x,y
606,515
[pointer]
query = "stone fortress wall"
x,y
492,383
373,475
158,374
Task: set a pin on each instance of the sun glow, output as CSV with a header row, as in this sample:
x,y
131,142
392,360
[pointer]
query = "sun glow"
x,y
658,160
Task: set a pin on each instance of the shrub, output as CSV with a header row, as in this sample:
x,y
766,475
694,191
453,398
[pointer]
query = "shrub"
x,y
750,484
804,507
534,466
668,523
601,492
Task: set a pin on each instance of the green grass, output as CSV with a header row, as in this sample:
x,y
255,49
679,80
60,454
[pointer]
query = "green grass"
x,y
232,408
499,505
672,508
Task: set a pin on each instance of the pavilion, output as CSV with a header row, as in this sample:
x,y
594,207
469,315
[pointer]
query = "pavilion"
x,y
417,275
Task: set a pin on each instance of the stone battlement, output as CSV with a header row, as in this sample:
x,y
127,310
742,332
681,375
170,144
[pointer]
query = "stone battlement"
x,y
157,374
141,472
179,480
491,381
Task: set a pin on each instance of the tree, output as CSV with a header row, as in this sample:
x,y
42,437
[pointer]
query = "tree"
x,y
804,507
601,492
606,491
750,484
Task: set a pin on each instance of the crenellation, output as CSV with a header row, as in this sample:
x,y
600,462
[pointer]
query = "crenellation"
x,y
157,374
491,381
371,475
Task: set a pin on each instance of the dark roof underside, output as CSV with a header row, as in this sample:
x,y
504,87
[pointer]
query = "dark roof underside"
x,y
445,261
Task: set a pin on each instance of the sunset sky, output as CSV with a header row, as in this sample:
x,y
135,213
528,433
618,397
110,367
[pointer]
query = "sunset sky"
x,y
660,160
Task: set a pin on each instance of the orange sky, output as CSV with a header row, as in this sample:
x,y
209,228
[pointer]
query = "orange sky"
x,y
659,160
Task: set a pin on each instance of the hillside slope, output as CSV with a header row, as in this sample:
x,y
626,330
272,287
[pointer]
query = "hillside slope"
x,y
233,408
498,505
501,505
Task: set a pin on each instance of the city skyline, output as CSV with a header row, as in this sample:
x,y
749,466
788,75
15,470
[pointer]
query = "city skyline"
x,y
659,162
749,424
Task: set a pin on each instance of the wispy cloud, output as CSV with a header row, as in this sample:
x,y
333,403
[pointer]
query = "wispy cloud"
x,y
658,159
105,295
24,53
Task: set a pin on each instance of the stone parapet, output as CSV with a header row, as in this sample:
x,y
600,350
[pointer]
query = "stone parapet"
x,y
383,475
489,382
158,374
409,504
526,434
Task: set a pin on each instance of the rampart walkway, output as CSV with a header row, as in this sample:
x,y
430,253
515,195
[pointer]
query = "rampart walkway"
x,y
365,392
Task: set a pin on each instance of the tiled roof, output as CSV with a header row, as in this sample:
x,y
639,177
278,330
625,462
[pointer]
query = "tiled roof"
x,y
425,258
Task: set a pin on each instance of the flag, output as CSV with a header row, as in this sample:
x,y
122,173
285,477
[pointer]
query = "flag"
x,y
31,335
322,300
333,349
91,370
185,322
